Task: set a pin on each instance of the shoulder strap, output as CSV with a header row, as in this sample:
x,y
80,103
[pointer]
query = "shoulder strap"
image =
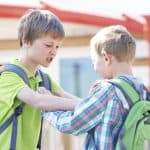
x,y
127,89
18,110
16,69
45,80
47,84
13,119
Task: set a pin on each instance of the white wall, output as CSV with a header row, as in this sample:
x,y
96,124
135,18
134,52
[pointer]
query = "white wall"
x,y
75,52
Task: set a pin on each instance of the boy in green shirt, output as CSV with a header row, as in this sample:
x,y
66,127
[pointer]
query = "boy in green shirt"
x,y
40,35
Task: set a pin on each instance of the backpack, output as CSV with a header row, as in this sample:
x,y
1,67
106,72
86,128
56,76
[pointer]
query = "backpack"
x,y
18,110
136,128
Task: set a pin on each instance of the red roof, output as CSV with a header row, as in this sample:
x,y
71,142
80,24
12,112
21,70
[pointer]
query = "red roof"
x,y
134,26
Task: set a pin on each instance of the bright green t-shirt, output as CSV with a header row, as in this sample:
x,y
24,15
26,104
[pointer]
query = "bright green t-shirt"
x,y
29,122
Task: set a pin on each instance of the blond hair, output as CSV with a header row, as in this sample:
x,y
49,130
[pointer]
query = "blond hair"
x,y
36,23
115,40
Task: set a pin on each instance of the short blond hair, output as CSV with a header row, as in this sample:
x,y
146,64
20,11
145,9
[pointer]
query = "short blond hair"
x,y
115,40
36,23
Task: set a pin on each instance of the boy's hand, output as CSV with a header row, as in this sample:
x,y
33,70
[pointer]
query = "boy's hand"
x,y
95,85
58,92
65,94
43,90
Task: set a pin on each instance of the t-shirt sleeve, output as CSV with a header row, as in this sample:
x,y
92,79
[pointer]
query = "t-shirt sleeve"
x,y
10,85
54,85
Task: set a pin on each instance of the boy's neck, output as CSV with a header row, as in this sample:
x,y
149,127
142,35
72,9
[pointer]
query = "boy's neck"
x,y
123,69
29,65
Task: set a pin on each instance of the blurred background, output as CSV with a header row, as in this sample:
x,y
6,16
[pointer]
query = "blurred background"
x,y
72,68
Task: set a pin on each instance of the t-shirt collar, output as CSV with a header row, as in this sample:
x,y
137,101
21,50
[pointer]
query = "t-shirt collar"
x,y
29,74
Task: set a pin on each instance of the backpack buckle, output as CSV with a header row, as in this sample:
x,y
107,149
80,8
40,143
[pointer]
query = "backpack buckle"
x,y
147,121
18,110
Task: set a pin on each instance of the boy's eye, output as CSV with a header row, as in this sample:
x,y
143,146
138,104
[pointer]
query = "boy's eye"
x,y
50,46
47,45
57,47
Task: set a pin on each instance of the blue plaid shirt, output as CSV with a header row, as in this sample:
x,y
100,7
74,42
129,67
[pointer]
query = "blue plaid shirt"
x,y
101,115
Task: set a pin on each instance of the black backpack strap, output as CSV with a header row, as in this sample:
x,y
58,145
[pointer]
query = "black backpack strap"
x,y
18,110
45,80
47,84
19,71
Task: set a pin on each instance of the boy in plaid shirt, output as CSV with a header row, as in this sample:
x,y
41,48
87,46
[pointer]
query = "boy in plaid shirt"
x,y
103,112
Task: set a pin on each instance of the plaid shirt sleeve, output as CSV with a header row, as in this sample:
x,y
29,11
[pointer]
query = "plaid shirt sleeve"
x,y
85,116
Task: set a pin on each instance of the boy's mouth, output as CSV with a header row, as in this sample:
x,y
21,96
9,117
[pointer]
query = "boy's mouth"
x,y
49,60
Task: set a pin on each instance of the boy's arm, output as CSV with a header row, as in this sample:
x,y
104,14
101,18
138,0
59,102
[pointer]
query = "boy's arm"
x,y
46,101
12,86
86,115
65,94
58,91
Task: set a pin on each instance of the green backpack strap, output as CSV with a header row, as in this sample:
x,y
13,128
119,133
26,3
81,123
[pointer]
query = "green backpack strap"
x,y
127,89
137,123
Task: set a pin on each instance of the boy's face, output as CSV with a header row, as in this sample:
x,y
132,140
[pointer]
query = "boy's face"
x,y
101,65
43,50
97,62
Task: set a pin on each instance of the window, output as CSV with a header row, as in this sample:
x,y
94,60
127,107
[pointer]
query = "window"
x,y
77,75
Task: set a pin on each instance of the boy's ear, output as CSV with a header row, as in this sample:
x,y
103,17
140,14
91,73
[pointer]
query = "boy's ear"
x,y
107,57
26,43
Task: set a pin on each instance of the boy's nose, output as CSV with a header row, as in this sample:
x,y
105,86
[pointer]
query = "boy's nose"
x,y
53,52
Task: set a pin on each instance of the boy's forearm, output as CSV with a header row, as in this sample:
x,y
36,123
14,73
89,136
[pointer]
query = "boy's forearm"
x,y
65,94
46,101
54,103
68,95
84,117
